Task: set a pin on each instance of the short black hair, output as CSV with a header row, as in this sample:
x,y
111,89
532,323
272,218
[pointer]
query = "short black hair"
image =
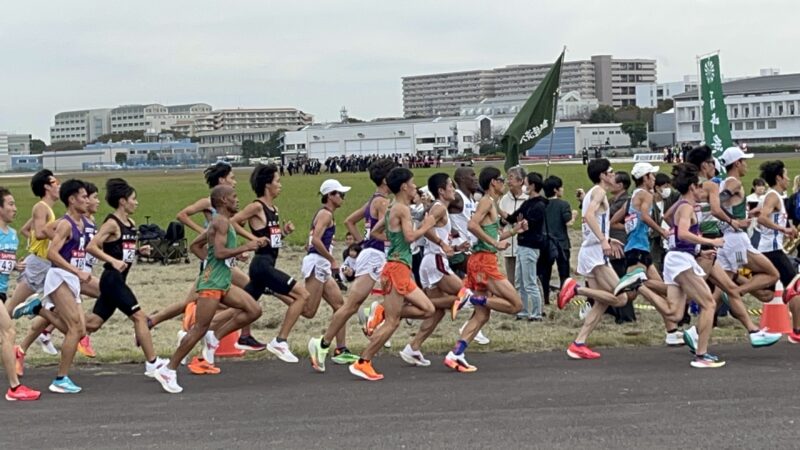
x,y
622,177
213,173
379,170
662,179
551,185
437,181
218,194
262,175
3,193
91,188
684,176
39,180
69,188
596,168
535,179
699,155
487,175
396,177
116,190
770,171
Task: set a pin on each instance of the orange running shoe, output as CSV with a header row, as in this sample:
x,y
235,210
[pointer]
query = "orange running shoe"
x,y
188,316
375,318
22,393
458,363
200,366
85,347
20,360
364,370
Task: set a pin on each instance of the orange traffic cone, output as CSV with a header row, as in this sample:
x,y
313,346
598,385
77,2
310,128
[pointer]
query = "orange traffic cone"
x,y
227,345
775,314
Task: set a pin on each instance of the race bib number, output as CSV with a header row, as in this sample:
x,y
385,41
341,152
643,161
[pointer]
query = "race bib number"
x,y
90,260
367,231
78,260
631,222
230,262
8,261
275,237
128,252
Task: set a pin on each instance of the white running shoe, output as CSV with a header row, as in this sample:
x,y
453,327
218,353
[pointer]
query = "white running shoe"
x,y
210,344
690,338
47,344
151,369
674,339
480,338
388,344
415,358
281,350
168,379
181,335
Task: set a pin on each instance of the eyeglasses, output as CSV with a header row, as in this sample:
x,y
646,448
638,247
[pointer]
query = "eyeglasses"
x,y
501,179
340,194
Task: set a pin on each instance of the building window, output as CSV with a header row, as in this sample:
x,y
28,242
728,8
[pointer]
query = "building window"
x,y
768,110
467,139
748,125
695,128
747,111
760,125
772,124
735,112
780,109
289,146
757,111
693,114
738,126
791,109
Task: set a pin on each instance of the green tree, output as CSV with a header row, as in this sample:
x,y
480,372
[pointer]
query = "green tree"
x,y
153,156
121,158
603,114
37,146
250,149
636,130
665,105
65,145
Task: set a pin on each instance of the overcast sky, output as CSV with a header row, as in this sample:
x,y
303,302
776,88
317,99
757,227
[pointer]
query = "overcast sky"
x,y
321,55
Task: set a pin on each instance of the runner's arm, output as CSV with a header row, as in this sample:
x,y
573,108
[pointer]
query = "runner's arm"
x,y
323,221
647,218
39,223
26,229
591,221
474,224
219,235
683,220
185,215
617,221
351,221
107,232
407,224
771,204
437,213
198,246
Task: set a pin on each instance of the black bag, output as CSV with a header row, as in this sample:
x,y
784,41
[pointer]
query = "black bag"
x,y
150,232
174,232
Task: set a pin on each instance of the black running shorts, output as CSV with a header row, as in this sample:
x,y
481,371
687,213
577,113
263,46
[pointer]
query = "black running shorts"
x,y
786,269
114,294
636,256
266,279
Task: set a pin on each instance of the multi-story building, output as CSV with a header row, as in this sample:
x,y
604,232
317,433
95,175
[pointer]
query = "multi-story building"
x,y
761,111
81,126
611,81
570,106
156,118
19,144
243,118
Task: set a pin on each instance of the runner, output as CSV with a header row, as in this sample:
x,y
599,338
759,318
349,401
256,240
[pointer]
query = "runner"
x,y
595,250
215,286
319,264
369,262
402,297
262,216
773,226
115,244
89,231
8,263
682,274
438,280
491,288
461,210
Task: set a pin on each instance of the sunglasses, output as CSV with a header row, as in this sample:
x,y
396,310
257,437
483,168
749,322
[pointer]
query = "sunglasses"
x,y
340,194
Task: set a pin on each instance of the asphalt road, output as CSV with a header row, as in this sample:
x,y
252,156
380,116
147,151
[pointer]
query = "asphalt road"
x,y
631,398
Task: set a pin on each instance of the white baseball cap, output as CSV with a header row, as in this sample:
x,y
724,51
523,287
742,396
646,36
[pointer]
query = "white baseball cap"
x,y
329,186
641,169
733,154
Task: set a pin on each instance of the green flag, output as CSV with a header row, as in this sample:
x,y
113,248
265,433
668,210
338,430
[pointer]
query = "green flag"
x,y
536,118
716,130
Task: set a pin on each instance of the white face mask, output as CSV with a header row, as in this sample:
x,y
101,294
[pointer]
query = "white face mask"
x,y
666,192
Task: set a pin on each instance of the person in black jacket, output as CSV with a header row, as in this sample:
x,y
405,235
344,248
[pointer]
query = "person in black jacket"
x,y
531,243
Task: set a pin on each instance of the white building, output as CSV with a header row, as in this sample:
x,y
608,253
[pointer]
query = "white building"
x,y
603,135
648,95
243,118
570,106
229,142
155,117
761,111
81,126
5,158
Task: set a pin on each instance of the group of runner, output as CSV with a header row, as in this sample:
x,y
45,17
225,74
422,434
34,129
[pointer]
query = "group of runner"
x,y
460,233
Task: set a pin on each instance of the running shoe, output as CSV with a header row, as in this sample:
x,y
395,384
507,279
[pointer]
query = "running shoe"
x,y
375,318
568,291
344,356
364,370
202,367
763,338
282,351
707,361
480,338
674,339
630,281
64,386
464,295
690,338
181,335
249,343
576,351
317,354
584,311
46,343
85,347
27,308
792,290
210,344
458,363
19,355
22,394
794,338
150,369
169,380
362,314
414,357
387,344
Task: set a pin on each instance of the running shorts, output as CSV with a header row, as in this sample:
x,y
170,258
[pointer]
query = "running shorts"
x,y
114,294
370,261
433,268
482,267
675,263
314,264
265,278
589,257
396,275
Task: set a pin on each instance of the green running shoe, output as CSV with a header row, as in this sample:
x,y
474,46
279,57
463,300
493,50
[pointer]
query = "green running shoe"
x,y
343,356
317,354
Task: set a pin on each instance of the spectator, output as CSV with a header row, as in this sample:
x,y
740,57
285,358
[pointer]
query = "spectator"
x,y
510,202
619,202
558,219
